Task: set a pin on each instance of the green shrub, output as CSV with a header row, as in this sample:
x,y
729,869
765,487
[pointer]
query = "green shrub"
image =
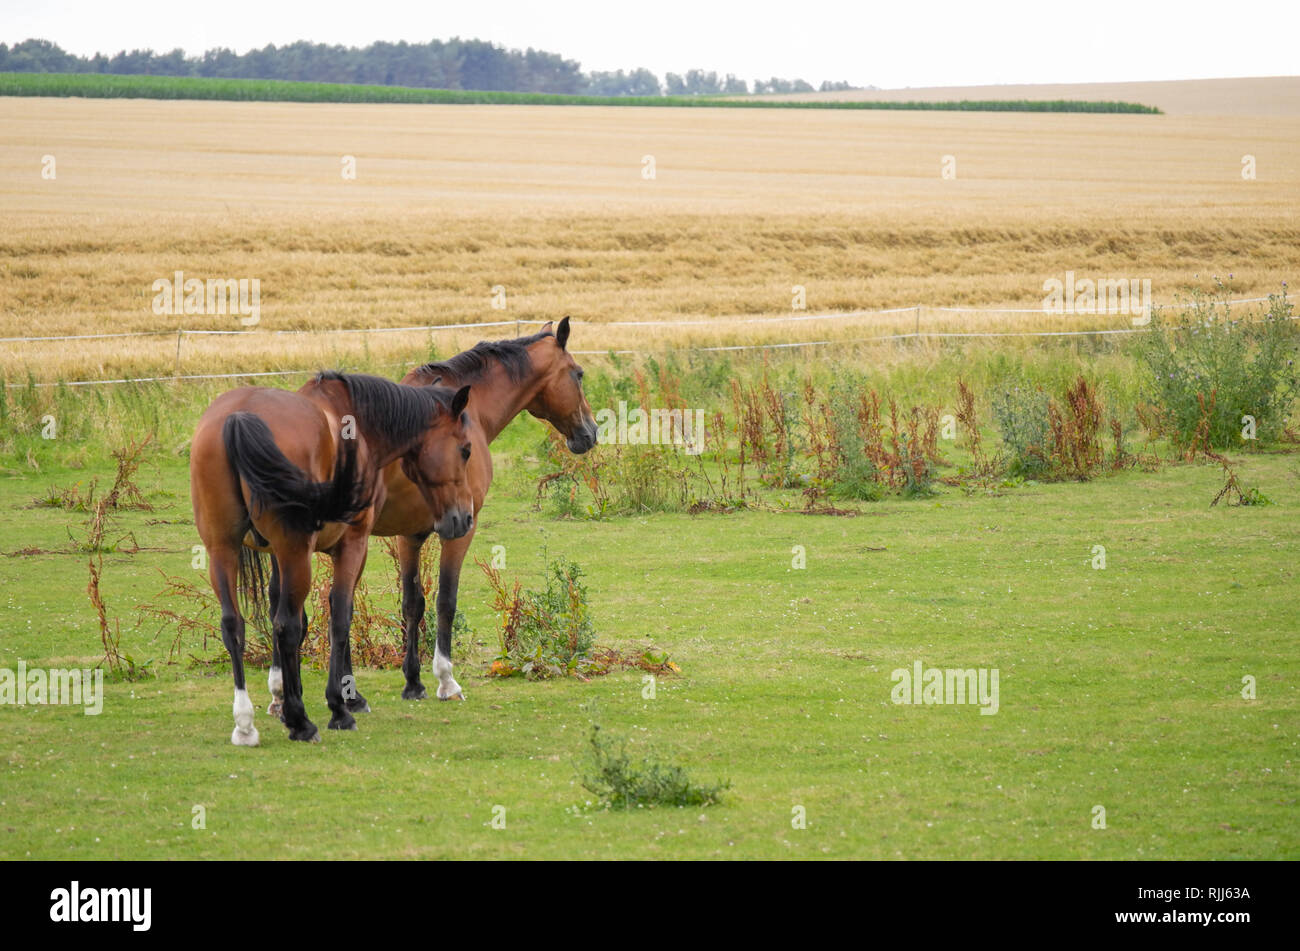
x,y
918,474
1020,411
620,782
565,500
1243,365
545,633
855,475
649,479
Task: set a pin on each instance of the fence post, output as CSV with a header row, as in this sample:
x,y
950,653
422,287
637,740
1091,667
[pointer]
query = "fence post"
x,y
179,332
917,331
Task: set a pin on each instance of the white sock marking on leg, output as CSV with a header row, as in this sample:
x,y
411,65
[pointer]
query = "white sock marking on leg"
x,y
447,686
245,733
275,681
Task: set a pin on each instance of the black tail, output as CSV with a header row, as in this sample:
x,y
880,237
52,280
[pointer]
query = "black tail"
x,y
277,484
252,585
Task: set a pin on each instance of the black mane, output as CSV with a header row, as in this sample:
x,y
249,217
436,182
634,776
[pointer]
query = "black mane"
x,y
473,363
398,413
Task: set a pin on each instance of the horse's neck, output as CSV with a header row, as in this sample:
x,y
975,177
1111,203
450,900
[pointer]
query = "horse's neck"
x,y
495,415
337,405
379,447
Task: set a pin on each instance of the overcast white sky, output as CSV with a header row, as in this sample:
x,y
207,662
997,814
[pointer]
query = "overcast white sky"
x,y
901,43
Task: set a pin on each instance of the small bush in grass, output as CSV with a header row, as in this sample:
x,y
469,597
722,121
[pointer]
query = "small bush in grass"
x,y
1076,431
1246,359
621,782
1048,439
572,474
71,499
650,479
564,500
856,475
1020,411
544,633
918,476
858,453
633,480
766,421
909,461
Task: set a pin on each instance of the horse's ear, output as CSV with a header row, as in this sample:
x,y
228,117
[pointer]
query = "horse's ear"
x,y
459,401
546,327
562,333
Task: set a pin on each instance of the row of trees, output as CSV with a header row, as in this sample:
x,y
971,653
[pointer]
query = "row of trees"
x,y
438,64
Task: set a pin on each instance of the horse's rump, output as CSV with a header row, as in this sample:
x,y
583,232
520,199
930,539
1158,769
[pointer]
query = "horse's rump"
x,y
276,485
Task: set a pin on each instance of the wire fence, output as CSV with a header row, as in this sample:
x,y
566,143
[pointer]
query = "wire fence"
x,y
181,333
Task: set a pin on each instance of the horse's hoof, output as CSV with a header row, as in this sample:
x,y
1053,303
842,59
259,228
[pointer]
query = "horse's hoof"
x,y
345,722
240,738
275,709
451,693
307,734
358,705
415,693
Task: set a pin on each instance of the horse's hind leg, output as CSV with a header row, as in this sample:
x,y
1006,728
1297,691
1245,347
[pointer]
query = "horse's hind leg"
x,y
275,679
288,627
223,567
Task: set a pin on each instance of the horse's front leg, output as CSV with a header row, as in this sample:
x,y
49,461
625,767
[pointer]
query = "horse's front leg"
x,y
352,698
408,560
341,694
453,556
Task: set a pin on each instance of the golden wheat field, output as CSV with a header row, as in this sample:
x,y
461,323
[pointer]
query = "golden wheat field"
x,y
549,211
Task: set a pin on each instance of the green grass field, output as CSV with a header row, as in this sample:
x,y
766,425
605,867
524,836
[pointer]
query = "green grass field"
x,y
105,86
1118,687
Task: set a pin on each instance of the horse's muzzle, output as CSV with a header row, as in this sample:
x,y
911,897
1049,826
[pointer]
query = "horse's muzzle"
x,y
454,524
583,439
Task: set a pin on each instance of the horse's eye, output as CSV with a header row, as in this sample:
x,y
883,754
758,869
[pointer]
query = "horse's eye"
x,y
464,453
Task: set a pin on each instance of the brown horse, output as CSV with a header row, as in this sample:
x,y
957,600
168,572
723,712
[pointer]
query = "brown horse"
x,y
294,473
534,373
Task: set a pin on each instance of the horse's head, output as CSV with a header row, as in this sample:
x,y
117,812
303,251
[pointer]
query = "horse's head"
x,y
439,464
560,400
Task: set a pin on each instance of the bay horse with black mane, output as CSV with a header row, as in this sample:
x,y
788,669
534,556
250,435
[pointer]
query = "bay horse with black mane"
x,y
294,473
536,374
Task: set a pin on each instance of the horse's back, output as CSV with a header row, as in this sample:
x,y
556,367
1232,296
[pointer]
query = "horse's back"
x,y
300,427
301,431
